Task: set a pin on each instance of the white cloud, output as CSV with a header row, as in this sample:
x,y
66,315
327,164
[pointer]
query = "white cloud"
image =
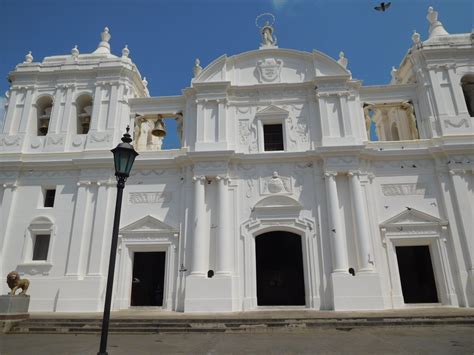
x,y
278,4
3,101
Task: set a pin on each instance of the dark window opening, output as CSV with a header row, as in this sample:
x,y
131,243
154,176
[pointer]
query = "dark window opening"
x,y
273,137
49,198
40,249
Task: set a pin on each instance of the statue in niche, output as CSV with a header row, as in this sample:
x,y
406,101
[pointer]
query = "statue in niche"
x,y
15,282
407,106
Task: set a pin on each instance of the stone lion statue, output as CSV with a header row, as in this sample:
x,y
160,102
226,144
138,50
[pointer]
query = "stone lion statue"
x,y
15,282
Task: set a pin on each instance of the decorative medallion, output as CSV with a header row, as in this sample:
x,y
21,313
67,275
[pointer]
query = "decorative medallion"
x,y
269,70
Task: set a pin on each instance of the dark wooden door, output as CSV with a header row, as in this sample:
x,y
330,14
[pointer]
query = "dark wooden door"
x,y
280,278
148,278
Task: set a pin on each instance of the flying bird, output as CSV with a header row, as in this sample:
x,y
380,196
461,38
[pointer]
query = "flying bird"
x,y
383,6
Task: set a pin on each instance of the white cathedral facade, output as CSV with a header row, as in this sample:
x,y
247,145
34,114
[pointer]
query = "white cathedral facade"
x,y
276,197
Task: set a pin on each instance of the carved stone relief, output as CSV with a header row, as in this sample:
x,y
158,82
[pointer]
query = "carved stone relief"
x,y
248,135
10,140
248,173
462,123
403,189
55,139
269,70
99,137
136,198
275,184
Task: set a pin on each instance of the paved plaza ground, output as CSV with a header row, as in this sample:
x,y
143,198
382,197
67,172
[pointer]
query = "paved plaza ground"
x,y
450,339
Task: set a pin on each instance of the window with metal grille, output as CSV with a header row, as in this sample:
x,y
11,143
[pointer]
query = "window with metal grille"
x,y
40,249
49,197
273,137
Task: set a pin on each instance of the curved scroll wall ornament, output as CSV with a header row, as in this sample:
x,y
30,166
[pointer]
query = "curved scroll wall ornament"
x,y
10,140
55,140
98,137
449,123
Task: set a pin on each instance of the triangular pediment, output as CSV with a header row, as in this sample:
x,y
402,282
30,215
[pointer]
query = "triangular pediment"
x,y
412,217
273,111
148,224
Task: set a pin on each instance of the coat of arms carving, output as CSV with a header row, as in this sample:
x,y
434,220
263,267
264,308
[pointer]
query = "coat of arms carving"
x,y
269,70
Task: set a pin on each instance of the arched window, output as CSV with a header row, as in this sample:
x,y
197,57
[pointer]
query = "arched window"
x,y
84,112
394,132
44,105
467,83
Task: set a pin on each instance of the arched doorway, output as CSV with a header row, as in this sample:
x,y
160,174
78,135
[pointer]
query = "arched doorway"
x,y
280,276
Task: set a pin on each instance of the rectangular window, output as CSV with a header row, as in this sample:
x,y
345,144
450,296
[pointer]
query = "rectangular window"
x,y
40,249
49,197
273,137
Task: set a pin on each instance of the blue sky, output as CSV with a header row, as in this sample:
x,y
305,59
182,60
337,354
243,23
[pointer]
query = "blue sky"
x,y
165,36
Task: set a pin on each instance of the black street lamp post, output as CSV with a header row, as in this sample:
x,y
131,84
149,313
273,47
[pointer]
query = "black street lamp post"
x,y
124,156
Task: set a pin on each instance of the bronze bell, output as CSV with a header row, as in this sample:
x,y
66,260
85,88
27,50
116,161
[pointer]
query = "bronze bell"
x,y
44,124
159,130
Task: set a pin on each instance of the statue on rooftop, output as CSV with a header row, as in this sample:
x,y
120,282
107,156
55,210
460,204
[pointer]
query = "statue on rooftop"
x,y
268,38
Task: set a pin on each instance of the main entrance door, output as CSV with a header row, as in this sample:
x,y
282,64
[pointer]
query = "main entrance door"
x,y
280,279
148,278
416,274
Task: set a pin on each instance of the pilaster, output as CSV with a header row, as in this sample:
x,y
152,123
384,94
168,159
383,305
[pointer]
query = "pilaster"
x,y
101,233
79,227
225,247
26,112
200,242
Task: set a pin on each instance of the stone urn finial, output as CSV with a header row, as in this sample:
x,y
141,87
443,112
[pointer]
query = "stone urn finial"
x,y
28,57
125,52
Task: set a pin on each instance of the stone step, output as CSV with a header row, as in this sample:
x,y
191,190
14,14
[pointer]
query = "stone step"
x,y
69,326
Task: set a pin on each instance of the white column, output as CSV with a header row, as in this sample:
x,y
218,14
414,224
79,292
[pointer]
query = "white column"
x,y
339,252
362,223
200,242
225,251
